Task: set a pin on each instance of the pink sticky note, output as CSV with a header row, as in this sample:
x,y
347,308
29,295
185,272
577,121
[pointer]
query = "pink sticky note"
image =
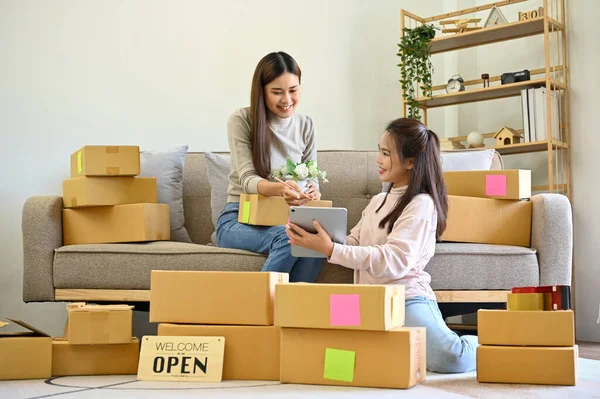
x,y
495,185
344,310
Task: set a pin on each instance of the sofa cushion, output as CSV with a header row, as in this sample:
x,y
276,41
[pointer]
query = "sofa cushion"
x,y
128,266
458,266
467,160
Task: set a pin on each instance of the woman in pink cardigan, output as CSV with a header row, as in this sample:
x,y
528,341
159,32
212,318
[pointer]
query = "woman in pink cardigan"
x,y
396,236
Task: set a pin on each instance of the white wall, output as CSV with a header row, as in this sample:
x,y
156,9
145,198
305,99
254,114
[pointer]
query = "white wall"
x,y
584,62
160,74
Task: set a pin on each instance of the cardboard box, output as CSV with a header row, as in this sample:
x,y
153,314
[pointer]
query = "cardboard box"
x,y
259,210
119,223
511,184
104,191
339,306
527,365
94,324
528,328
382,359
488,221
528,301
251,352
244,298
98,160
109,359
25,355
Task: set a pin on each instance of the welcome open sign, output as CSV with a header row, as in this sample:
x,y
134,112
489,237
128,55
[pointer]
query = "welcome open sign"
x,y
164,358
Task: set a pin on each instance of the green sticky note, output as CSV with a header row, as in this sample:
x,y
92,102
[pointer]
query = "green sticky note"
x,y
339,365
246,212
79,163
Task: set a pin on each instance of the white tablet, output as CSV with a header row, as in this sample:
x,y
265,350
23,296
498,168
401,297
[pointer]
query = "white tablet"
x,y
333,220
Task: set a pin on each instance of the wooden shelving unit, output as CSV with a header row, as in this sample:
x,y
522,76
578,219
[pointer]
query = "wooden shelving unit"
x,y
553,76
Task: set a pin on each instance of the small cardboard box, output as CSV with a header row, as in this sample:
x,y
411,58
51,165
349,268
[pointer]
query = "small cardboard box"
x,y
98,160
114,224
96,324
528,328
108,359
259,210
488,221
105,191
339,306
251,352
25,355
381,359
527,365
511,184
526,301
194,297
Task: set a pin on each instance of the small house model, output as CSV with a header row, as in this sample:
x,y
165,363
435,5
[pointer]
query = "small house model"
x,y
507,136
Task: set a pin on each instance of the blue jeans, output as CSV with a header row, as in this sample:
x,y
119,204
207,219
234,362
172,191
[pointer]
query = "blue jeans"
x,y
446,351
271,241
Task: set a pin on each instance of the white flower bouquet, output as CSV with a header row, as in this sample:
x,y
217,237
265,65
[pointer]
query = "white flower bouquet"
x,y
300,171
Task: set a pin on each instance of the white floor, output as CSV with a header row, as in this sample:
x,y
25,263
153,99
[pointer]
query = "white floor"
x,y
436,386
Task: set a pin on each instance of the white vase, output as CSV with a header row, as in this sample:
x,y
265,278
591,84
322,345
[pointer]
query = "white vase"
x,y
303,184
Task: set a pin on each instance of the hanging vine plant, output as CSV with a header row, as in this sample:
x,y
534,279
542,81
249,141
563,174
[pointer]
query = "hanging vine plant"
x,y
416,68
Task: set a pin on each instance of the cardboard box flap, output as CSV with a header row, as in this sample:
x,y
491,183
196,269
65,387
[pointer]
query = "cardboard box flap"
x,y
32,330
83,307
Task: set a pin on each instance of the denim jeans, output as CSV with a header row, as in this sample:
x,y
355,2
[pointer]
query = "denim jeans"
x,y
271,241
446,351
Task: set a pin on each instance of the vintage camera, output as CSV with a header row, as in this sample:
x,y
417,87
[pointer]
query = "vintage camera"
x,y
513,77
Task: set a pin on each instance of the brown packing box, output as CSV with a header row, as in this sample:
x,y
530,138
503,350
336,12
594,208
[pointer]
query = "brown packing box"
x,y
245,298
488,221
104,191
251,352
527,365
94,324
524,327
382,359
339,306
269,211
119,223
511,184
98,160
25,355
108,359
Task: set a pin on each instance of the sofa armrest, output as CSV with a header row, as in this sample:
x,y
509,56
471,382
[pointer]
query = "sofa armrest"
x,y
42,234
552,237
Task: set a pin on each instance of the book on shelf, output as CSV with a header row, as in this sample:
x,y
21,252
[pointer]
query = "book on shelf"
x,y
534,111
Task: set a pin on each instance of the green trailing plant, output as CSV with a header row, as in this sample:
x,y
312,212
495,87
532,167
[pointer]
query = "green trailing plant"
x,y
416,68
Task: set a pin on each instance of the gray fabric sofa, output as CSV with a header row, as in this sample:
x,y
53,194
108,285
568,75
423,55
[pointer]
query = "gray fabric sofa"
x,y
121,272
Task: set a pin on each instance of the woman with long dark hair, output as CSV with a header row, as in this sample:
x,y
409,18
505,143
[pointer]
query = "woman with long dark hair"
x,y
261,138
396,236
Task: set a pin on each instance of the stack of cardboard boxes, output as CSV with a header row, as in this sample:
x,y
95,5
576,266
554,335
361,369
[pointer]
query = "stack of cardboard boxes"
x,y
98,341
485,206
236,305
528,346
105,203
349,335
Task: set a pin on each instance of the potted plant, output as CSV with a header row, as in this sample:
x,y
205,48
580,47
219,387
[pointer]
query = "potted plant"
x,y
416,67
300,172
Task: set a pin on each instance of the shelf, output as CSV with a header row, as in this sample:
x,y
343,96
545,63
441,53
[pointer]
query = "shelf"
x,y
483,36
523,148
483,94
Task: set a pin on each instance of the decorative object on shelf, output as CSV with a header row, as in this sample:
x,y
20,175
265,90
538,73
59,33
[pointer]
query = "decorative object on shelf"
x,y
416,68
486,79
533,14
513,77
475,140
455,84
462,25
507,136
449,145
300,172
496,18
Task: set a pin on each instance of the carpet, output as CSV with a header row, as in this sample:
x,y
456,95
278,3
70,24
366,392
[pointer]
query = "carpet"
x,y
436,386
